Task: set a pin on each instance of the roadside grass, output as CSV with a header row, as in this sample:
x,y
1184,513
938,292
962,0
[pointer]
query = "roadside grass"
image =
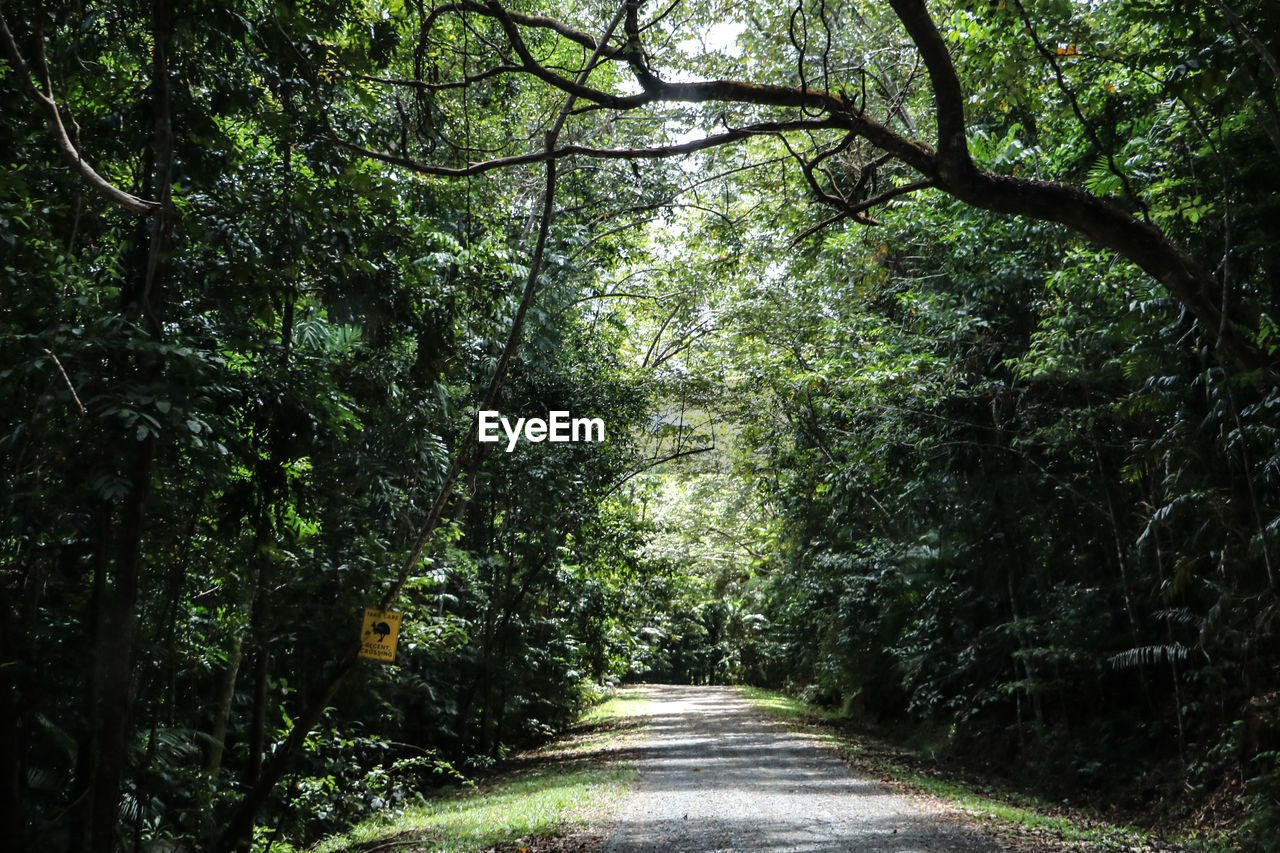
x,y
601,727
567,789
627,703
539,804
1006,813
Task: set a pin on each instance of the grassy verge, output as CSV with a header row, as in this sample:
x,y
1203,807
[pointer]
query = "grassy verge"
x,y
1013,815
560,790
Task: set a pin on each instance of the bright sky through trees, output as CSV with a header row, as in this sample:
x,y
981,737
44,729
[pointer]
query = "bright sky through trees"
x,y
937,366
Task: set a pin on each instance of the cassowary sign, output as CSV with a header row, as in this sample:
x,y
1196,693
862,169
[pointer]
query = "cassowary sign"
x,y
378,636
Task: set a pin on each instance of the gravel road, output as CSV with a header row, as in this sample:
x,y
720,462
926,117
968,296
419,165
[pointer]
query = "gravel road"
x,y
718,775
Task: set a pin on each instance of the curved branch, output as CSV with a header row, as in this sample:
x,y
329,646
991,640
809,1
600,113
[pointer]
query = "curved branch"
x,y
654,90
49,107
887,195
423,86
536,21
585,39
656,152
953,150
857,211
949,168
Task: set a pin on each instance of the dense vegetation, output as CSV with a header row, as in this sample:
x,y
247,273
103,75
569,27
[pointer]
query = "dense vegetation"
x,y
936,349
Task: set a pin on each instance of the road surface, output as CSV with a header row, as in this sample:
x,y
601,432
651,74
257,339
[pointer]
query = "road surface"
x,y
718,775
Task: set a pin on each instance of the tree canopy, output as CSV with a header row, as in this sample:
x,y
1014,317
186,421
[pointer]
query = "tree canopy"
x,y
934,343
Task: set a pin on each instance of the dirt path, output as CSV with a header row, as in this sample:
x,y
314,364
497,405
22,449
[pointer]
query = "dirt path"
x,y
718,775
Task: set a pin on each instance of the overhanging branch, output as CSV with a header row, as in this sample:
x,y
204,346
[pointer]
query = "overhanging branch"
x,y
656,152
947,93
949,168
49,108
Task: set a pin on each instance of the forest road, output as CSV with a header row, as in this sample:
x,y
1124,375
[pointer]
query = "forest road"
x,y
718,775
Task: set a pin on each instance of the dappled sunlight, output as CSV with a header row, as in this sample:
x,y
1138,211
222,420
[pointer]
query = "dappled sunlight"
x,y
716,774
544,802
383,383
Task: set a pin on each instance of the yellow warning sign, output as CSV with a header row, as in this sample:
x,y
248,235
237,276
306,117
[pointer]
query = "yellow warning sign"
x,y
378,636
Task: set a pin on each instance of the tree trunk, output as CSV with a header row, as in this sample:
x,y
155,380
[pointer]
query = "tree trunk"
x,y
120,610
239,831
81,799
260,629
12,767
227,689
116,661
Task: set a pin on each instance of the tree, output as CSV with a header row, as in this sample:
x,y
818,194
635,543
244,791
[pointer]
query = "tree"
x,y
946,165
264,380
267,259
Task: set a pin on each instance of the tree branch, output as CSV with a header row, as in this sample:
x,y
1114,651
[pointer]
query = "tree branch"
x,y
423,86
656,152
953,150
857,211
653,463
45,102
950,168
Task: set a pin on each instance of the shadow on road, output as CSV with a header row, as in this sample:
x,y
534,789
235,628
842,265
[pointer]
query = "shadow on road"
x,y
718,775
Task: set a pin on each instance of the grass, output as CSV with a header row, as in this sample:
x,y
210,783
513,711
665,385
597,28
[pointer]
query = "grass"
x,y
787,707
569,786
1005,812
542,803
628,703
601,728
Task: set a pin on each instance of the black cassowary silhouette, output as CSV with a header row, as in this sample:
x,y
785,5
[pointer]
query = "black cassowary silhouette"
x,y
382,629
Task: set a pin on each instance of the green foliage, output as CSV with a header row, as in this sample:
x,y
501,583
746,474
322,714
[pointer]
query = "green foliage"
x,y
352,778
1008,495
1263,815
1007,812
955,470
277,414
541,804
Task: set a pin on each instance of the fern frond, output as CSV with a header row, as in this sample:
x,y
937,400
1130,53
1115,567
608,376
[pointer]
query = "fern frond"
x,y
1147,655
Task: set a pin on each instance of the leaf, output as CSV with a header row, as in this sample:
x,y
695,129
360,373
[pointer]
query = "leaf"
x,y
1148,655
